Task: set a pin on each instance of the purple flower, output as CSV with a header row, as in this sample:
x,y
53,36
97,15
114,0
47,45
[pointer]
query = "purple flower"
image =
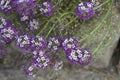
x,y
58,64
54,43
42,62
5,5
74,54
46,8
25,7
85,10
34,24
86,58
38,43
4,22
31,69
23,42
70,43
8,33
24,18
27,10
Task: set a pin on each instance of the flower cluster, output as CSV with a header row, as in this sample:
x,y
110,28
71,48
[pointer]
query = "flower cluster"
x,y
83,57
27,9
34,24
74,54
5,5
70,43
23,41
42,61
38,60
7,30
38,43
39,48
30,69
54,44
85,10
58,64
46,9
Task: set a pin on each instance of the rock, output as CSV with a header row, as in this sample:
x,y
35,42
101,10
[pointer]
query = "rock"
x,y
103,41
104,56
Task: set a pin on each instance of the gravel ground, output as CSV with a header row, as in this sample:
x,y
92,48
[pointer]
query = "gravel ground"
x,y
65,74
